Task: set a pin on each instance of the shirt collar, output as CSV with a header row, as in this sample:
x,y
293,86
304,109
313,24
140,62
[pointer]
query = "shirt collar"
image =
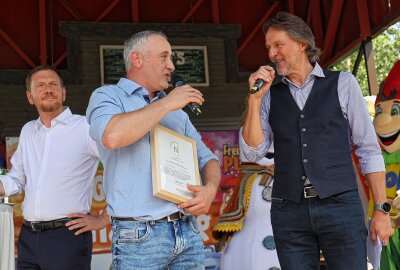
x,y
316,72
63,117
131,87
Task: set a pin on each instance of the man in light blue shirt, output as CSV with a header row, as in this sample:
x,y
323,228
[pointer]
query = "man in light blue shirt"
x,y
148,232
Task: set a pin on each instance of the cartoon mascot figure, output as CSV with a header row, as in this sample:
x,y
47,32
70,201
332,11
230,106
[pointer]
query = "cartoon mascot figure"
x,y
387,126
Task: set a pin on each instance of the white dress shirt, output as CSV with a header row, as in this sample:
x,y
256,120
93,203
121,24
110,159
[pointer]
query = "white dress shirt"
x,y
55,166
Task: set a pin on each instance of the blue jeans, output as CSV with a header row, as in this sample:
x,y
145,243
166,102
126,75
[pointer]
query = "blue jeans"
x,y
157,245
335,225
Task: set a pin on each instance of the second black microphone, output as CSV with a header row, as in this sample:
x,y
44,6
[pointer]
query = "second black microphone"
x,y
177,81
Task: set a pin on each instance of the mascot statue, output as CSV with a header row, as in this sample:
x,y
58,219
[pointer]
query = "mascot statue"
x,y
244,230
387,126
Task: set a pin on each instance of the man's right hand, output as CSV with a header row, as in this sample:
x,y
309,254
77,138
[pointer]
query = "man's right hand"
x,y
86,222
265,73
395,218
2,192
181,96
396,201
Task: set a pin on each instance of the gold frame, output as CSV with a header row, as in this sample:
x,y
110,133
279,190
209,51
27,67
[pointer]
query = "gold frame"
x,y
155,142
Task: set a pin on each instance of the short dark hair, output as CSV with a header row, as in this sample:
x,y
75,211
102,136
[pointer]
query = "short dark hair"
x,y
297,29
41,68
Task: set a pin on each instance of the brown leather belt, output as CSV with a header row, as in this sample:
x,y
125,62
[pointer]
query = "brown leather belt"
x,y
173,217
38,226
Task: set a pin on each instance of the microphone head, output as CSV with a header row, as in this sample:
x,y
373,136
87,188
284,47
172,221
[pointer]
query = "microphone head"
x,y
256,86
176,80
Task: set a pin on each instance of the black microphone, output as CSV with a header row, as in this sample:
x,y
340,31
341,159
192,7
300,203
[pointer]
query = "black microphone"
x,y
256,86
177,81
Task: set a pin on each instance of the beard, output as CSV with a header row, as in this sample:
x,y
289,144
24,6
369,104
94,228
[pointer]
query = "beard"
x,y
50,107
282,71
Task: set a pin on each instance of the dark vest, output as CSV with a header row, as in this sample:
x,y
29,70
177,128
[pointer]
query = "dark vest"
x,y
313,142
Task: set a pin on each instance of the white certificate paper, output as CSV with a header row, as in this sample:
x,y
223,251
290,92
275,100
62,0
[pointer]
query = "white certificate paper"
x,y
174,164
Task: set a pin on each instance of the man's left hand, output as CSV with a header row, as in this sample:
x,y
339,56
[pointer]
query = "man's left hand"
x,y
380,226
83,223
203,197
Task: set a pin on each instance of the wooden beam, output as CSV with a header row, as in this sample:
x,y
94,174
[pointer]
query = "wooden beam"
x,y
363,18
42,32
291,6
257,28
341,54
107,10
135,10
334,17
15,47
192,11
370,66
309,14
358,60
215,11
60,59
99,18
317,24
71,9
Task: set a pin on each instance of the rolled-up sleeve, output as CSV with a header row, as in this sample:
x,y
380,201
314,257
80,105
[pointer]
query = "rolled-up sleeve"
x,y
102,107
15,180
254,154
362,130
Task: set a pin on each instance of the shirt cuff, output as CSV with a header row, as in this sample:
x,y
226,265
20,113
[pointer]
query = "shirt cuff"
x,y
372,164
252,154
10,187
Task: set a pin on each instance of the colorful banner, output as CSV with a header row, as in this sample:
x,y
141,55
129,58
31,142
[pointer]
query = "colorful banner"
x,y
225,145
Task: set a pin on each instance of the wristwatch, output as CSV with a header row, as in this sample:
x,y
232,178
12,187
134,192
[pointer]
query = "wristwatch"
x,y
384,207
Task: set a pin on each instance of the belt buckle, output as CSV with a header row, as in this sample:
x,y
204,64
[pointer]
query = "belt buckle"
x,y
312,195
170,218
36,226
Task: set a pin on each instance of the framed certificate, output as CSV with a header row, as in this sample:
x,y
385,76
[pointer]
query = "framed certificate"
x,y
174,164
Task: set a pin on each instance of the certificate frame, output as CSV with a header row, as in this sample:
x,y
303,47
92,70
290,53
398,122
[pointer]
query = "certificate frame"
x,y
174,164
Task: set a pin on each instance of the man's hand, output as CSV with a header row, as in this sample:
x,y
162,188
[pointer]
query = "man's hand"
x,y
395,218
380,226
2,192
203,197
83,223
180,96
380,222
396,201
265,73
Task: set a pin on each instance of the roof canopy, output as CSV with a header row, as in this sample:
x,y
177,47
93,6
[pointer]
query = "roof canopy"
x,y
339,25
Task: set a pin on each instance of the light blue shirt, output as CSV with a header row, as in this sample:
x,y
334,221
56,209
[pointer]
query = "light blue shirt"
x,y
353,108
127,170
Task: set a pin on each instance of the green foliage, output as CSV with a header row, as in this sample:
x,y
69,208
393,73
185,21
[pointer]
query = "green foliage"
x,y
3,171
386,51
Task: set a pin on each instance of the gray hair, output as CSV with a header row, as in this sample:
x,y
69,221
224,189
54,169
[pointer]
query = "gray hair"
x,y
137,43
297,29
